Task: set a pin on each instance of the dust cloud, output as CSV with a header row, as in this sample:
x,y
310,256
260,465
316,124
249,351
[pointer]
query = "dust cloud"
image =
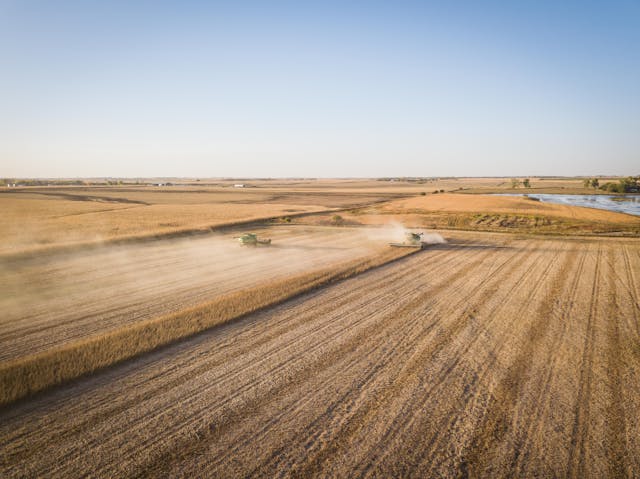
x,y
395,232
51,299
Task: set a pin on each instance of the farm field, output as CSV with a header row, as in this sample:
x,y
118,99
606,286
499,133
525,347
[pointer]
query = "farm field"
x,y
54,299
490,213
493,355
41,219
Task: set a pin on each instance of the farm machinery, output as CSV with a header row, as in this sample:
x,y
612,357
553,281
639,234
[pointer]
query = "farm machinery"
x,y
412,240
251,239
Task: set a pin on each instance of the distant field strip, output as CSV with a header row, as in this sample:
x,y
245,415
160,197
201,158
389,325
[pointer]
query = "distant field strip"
x,y
489,357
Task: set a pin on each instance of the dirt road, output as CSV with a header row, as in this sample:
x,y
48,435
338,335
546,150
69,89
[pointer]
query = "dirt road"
x,y
490,356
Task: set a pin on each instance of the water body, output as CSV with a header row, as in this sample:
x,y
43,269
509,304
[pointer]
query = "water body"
x,y
621,204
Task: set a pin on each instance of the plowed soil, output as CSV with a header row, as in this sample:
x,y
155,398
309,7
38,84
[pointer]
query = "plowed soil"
x,y
490,356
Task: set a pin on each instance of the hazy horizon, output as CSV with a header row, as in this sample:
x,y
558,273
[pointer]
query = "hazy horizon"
x,y
286,90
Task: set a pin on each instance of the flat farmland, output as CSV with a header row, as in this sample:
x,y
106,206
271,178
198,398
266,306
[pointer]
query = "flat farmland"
x,y
490,213
493,355
42,219
50,300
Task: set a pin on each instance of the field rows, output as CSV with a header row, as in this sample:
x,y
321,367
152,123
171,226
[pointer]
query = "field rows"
x,y
490,356
54,300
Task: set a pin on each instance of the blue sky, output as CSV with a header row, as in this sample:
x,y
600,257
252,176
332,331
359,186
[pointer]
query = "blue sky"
x,y
323,89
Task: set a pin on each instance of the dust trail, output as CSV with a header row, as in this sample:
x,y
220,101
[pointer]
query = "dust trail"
x,y
433,238
396,232
53,300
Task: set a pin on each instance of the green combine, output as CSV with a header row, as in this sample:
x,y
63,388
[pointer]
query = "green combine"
x,y
251,239
413,240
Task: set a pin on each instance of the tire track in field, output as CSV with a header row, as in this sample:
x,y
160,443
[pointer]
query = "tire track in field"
x,y
523,445
140,422
632,288
273,395
576,465
424,352
616,432
467,346
431,290
336,404
270,372
186,404
493,425
402,420
382,329
341,409
275,328
350,402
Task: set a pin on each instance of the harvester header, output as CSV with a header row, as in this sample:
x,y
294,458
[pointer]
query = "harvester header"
x,y
412,240
251,239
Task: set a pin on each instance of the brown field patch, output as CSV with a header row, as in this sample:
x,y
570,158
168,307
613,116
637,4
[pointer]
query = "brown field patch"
x,y
489,213
40,219
490,356
517,205
68,314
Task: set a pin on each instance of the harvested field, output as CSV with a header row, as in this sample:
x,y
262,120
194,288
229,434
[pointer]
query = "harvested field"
x,y
490,356
103,306
37,219
50,300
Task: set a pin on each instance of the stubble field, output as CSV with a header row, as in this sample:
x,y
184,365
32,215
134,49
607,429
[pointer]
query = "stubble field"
x,y
55,299
491,355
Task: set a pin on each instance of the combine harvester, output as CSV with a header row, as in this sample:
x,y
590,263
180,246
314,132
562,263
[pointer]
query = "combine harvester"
x,y
413,240
251,239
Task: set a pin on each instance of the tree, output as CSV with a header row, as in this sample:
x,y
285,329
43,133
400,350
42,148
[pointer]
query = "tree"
x,y
631,184
587,182
514,182
337,220
526,183
595,183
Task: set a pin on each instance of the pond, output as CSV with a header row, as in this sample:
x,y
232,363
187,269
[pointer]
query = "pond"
x,y
621,204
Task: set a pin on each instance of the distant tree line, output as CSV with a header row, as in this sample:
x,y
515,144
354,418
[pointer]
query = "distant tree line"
x,y
56,182
630,184
33,182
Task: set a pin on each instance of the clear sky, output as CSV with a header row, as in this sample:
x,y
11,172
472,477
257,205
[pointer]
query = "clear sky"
x,y
319,89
